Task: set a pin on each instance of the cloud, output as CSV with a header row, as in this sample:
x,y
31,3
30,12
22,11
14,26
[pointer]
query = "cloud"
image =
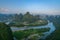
x,y
52,12
4,10
49,12
37,11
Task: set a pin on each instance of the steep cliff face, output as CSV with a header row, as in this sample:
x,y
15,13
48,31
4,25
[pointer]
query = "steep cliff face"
x,y
5,32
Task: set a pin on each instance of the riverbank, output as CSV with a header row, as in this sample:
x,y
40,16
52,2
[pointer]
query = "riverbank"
x,y
46,34
56,34
22,24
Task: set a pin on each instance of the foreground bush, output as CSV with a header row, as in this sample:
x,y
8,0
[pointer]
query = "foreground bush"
x,y
5,32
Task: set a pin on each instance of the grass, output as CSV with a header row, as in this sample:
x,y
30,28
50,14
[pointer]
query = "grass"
x,y
25,33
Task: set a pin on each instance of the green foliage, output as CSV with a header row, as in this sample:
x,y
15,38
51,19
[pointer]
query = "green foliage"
x,y
5,32
23,34
22,24
54,36
27,20
28,17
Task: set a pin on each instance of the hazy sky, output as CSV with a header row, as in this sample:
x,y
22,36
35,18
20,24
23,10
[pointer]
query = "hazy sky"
x,y
33,6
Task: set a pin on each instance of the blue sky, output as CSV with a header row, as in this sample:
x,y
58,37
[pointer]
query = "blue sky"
x,y
33,6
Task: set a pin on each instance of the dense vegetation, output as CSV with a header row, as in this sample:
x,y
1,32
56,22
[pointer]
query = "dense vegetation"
x,y
24,34
5,32
27,20
27,17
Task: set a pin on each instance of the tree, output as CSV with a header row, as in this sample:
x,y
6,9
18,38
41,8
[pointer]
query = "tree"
x,y
5,32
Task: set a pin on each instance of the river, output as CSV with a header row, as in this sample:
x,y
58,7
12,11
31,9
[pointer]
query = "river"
x,y
49,25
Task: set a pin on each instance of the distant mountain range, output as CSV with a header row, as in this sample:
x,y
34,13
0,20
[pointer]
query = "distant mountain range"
x,y
8,17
